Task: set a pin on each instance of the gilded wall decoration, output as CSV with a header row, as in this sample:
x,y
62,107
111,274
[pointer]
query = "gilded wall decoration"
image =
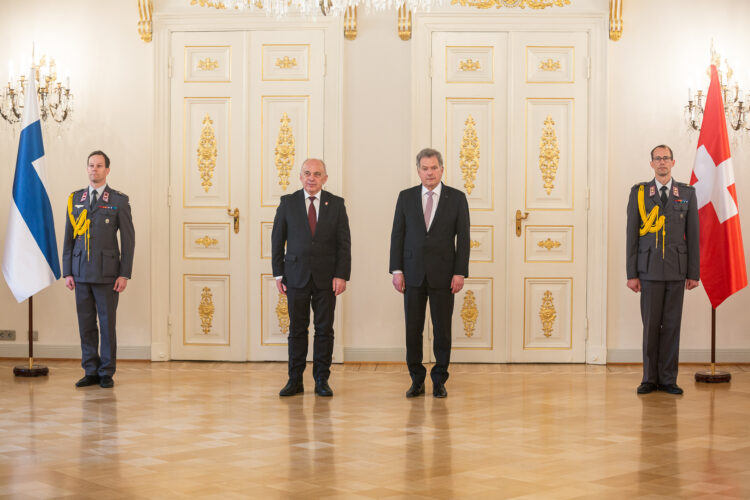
x,y
145,24
404,23
549,154
284,152
206,310
547,313
286,62
469,313
350,23
207,153
469,155
469,65
532,4
207,241
549,244
550,65
474,244
207,64
282,313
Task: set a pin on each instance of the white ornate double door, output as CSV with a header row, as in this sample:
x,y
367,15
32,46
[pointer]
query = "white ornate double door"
x,y
509,110
246,108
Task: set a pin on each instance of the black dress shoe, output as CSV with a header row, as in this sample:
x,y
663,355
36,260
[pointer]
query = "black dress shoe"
x,y
670,388
439,391
415,390
323,389
106,382
88,380
292,387
645,388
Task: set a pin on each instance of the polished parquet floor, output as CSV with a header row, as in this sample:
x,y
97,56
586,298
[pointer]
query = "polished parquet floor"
x,y
219,430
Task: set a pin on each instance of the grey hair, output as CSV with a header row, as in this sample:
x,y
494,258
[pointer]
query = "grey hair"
x,y
325,171
430,153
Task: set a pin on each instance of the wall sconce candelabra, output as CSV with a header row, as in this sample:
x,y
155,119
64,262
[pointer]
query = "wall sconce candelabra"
x,y
55,99
735,108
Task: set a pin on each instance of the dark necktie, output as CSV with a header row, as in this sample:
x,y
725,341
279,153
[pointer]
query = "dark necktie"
x,y
664,195
92,204
312,217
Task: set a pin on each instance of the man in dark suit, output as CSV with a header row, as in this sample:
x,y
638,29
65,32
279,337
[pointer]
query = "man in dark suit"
x,y
97,267
312,269
663,259
429,260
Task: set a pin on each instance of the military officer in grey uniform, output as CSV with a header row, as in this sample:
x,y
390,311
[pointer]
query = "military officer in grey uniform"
x,y
97,267
663,259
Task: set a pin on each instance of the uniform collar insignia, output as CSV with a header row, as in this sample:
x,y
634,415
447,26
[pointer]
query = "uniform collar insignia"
x,y
652,190
85,195
105,197
675,191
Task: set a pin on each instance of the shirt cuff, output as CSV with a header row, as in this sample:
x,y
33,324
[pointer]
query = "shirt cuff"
x,y
397,271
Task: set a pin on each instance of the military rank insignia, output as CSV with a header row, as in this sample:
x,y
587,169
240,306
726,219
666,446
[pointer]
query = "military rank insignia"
x,y
652,191
105,197
675,191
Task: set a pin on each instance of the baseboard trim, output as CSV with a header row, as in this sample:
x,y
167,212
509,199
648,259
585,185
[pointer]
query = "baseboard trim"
x,y
354,354
68,351
686,356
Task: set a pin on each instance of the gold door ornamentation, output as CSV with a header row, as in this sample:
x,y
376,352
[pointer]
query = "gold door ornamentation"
x,y
207,241
282,313
284,152
208,64
549,244
286,62
206,310
207,153
549,154
469,313
469,65
469,155
474,244
547,313
533,4
550,65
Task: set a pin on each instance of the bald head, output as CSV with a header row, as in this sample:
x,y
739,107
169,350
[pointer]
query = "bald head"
x,y
313,175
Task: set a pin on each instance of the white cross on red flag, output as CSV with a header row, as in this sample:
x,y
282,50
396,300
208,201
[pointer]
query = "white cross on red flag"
x,y
722,255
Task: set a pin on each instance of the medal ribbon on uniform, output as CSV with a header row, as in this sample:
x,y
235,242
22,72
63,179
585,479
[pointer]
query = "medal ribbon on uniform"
x,y
651,223
80,225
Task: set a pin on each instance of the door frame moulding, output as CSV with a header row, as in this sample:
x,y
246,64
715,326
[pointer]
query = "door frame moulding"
x,y
164,24
595,25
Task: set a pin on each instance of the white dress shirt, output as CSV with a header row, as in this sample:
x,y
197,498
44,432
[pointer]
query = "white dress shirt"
x,y
435,200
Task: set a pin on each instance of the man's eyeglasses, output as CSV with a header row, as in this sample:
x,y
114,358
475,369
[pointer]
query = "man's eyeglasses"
x,y
657,159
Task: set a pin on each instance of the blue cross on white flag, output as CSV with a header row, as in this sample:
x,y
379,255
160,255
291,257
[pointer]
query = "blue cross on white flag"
x,y
30,261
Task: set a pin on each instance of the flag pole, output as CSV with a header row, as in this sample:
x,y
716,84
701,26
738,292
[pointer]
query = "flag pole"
x,y
713,377
32,370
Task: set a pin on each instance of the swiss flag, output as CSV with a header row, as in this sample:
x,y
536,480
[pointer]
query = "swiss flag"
x,y
722,256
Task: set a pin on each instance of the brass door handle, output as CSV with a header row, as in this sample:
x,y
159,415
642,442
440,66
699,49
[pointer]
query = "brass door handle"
x,y
236,214
519,218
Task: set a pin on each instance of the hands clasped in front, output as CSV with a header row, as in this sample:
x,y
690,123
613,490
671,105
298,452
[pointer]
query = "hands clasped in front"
x,y
457,283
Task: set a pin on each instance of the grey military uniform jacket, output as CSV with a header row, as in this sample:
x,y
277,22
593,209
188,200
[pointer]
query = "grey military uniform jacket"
x,y
681,253
106,260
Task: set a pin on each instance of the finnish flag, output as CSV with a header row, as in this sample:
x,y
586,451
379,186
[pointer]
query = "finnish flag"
x,y
30,260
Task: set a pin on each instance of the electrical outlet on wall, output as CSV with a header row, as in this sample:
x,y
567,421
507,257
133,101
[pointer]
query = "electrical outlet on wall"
x,y
7,335
11,335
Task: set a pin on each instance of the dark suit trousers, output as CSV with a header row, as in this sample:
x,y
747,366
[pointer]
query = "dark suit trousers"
x,y
661,311
323,306
441,311
92,300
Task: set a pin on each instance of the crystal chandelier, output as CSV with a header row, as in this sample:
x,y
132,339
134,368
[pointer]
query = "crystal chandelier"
x,y
735,108
283,8
55,99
